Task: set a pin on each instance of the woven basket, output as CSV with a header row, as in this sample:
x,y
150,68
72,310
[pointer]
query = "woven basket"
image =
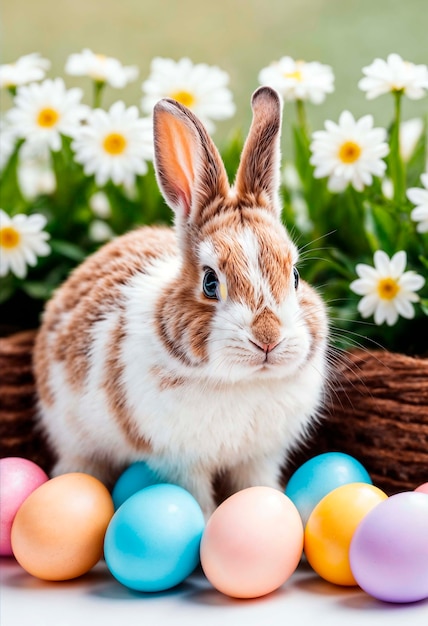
x,y
377,412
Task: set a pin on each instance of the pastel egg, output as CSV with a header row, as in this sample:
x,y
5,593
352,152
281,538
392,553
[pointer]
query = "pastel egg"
x,y
152,542
253,543
422,488
331,526
318,476
136,477
59,530
389,551
18,478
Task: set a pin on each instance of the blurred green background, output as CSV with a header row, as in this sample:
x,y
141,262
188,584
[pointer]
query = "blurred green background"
x,y
241,36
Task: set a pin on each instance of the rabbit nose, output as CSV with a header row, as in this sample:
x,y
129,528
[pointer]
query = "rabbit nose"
x,y
266,330
266,347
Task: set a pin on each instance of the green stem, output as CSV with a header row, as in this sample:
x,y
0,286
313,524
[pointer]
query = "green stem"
x,y
397,165
97,93
302,119
354,223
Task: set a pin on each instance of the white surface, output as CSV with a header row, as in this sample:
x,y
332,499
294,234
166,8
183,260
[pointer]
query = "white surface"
x,y
98,598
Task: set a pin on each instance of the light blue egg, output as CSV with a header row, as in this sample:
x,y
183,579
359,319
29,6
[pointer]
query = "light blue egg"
x,y
152,542
317,477
136,477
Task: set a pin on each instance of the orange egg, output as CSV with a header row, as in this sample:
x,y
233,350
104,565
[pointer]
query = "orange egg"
x,y
58,532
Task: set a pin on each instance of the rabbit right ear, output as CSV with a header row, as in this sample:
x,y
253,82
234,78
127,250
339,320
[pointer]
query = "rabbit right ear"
x,y
189,169
258,172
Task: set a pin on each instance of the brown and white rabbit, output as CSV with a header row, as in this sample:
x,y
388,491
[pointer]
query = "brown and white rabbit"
x,y
196,349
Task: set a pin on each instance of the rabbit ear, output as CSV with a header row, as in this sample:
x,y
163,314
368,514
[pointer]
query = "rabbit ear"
x,y
189,169
258,172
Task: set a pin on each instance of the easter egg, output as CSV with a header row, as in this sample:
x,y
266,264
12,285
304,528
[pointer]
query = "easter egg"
x,y
389,551
152,542
422,488
331,526
18,478
136,477
253,542
318,476
59,530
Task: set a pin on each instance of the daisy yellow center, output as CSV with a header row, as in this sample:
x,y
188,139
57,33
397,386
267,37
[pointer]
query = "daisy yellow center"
x,y
114,144
387,288
47,118
349,152
9,237
184,97
296,75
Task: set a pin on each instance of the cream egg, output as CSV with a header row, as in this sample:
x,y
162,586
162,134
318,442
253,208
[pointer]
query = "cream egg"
x,y
252,543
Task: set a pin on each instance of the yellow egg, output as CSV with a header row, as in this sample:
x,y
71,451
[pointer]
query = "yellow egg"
x,y
58,532
331,526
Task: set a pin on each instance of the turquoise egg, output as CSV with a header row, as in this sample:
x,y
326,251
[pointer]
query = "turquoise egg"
x,y
152,542
318,476
136,477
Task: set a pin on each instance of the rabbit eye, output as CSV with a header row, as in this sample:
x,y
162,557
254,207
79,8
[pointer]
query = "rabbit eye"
x,y
296,278
210,285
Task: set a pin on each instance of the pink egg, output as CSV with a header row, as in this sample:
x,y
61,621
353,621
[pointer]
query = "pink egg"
x,y
422,488
18,479
252,543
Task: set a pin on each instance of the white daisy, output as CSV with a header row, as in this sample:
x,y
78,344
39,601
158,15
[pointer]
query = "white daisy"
x,y
100,68
394,75
36,177
115,144
387,289
22,240
299,80
349,152
202,88
26,69
99,231
43,112
100,205
419,197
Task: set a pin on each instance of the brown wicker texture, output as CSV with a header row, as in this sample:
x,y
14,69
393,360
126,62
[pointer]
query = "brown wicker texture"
x,y
378,413
18,433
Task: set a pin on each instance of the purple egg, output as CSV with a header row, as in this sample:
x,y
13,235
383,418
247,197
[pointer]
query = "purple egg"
x,y
389,550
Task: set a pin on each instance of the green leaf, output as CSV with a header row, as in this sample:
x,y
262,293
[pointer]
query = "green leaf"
x,y
416,163
424,305
37,290
231,153
381,227
11,198
342,264
424,261
67,249
8,288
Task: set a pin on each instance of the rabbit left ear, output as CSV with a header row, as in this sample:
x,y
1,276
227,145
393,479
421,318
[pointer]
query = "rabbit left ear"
x,y
258,172
189,169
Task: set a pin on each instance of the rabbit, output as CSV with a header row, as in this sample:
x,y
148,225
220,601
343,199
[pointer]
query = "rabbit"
x,y
194,348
